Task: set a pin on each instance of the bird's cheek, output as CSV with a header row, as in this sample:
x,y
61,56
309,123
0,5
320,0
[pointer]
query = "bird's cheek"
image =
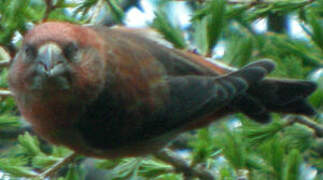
x,y
20,76
92,67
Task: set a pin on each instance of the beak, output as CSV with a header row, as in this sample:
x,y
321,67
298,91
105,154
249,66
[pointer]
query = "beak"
x,y
50,57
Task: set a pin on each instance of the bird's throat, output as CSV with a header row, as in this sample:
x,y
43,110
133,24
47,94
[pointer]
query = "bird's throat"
x,y
49,84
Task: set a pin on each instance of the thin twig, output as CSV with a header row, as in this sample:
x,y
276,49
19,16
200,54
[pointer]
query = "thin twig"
x,y
5,93
182,166
96,13
49,8
309,123
6,53
4,63
53,169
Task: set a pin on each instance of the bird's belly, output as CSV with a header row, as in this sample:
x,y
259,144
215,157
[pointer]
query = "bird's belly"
x,y
74,139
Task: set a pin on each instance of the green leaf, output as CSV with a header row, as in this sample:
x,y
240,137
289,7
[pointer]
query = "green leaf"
x,y
293,165
61,15
298,137
273,153
116,11
169,176
200,14
10,21
75,172
234,148
236,11
60,151
279,7
107,164
8,121
226,173
290,66
239,50
15,167
215,23
258,134
200,35
84,8
19,171
44,161
317,27
128,168
170,32
317,96
203,146
30,144
209,23
64,4
280,46
152,168
255,162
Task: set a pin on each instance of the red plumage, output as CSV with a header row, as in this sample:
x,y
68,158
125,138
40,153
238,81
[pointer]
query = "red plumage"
x,y
111,92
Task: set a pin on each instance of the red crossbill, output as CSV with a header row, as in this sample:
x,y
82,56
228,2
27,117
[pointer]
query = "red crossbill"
x,y
112,92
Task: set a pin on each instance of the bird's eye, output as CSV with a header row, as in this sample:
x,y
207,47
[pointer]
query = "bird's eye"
x,y
70,51
30,51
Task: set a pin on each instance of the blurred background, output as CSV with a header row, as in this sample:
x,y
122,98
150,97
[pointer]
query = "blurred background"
x,y
232,32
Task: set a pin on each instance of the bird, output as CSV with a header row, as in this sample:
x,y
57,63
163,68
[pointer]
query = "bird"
x,y
114,92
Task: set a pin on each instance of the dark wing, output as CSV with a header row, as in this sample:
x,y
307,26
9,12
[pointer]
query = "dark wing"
x,y
175,62
262,98
190,98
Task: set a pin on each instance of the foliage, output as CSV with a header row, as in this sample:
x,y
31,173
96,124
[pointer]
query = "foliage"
x,y
281,149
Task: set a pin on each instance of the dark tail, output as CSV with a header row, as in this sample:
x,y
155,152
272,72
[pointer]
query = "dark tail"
x,y
273,95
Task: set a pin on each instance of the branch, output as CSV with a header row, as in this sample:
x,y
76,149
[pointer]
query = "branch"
x,y
182,166
49,8
7,52
53,169
4,63
309,123
5,93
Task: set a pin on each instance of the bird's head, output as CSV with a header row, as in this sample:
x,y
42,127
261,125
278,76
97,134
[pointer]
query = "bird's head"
x,y
58,57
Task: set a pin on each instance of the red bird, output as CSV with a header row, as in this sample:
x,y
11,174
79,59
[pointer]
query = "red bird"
x,y
112,92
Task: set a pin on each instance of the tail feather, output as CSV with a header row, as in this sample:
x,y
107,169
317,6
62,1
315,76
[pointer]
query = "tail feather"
x,y
273,95
254,72
300,106
282,91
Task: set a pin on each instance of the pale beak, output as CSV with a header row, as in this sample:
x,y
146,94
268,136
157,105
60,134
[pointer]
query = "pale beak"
x,y
50,59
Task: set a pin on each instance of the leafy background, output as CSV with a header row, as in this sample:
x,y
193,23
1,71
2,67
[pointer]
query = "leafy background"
x,y
288,148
